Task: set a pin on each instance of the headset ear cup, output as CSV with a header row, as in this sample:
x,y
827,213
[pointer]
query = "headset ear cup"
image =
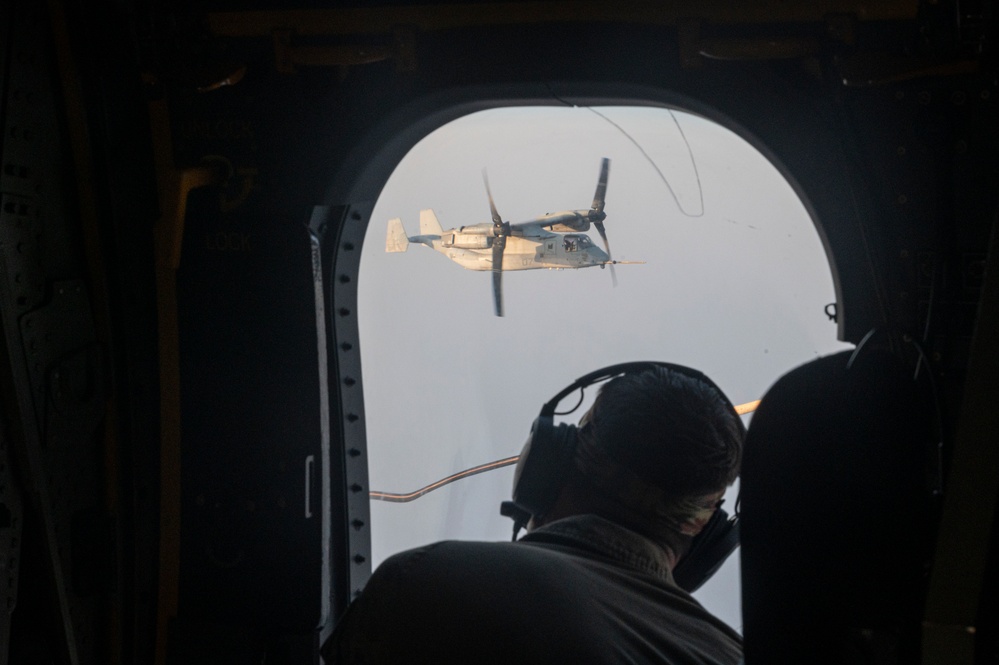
x,y
709,550
544,465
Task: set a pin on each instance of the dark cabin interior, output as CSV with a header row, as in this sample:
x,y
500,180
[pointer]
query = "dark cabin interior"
x,y
186,187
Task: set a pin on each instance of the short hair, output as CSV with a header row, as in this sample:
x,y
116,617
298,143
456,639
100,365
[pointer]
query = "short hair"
x,y
673,430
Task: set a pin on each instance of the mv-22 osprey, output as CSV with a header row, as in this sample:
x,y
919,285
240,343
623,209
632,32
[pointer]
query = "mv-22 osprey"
x,y
554,241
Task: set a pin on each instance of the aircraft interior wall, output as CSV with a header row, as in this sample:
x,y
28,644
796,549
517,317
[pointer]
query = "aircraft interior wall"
x,y
185,193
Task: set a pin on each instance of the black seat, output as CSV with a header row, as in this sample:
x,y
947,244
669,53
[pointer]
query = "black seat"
x,y
836,513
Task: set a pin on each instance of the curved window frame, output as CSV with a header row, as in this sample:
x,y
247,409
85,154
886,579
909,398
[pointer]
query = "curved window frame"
x,y
352,198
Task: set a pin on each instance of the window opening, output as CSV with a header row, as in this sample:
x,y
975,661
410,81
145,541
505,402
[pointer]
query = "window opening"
x,y
734,283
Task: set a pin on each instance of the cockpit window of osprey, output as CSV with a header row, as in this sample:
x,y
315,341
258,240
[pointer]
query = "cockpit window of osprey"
x,y
516,249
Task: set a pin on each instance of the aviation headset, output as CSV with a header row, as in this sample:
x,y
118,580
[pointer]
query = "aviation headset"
x,y
547,458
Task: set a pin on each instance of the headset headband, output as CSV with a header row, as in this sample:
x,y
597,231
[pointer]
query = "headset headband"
x,y
633,367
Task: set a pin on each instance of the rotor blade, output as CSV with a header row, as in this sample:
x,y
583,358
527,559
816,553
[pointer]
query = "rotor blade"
x,y
499,244
603,234
598,196
497,220
498,291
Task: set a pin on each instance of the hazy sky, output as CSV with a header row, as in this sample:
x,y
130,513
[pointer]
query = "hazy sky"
x,y
735,289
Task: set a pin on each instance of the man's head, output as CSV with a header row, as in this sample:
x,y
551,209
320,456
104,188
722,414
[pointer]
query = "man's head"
x,y
655,452
673,429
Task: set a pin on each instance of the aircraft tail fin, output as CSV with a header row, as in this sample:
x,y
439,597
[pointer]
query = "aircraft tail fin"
x,y
396,239
429,226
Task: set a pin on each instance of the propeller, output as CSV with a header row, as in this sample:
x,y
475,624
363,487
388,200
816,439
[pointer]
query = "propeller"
x,y
597,214
501,230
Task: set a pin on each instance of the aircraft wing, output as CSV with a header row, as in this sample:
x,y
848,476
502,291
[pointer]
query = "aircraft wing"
x,y
532,229
569,218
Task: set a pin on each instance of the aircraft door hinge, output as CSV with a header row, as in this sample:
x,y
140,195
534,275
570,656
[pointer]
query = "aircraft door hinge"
x,y
696,47
290,53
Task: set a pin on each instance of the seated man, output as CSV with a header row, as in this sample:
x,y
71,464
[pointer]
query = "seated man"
x,y
592,580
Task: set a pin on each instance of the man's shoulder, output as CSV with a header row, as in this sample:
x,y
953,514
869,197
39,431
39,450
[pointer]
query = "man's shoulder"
x,y
416,600
480,559
454,601
432,553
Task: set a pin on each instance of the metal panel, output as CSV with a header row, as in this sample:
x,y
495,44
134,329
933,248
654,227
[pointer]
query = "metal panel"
x,y
255,427
53,362
11,518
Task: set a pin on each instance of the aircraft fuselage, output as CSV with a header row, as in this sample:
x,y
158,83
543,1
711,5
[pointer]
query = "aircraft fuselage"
x,y
471,248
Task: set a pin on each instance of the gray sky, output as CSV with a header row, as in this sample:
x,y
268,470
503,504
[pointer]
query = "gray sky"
x,y
737,292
